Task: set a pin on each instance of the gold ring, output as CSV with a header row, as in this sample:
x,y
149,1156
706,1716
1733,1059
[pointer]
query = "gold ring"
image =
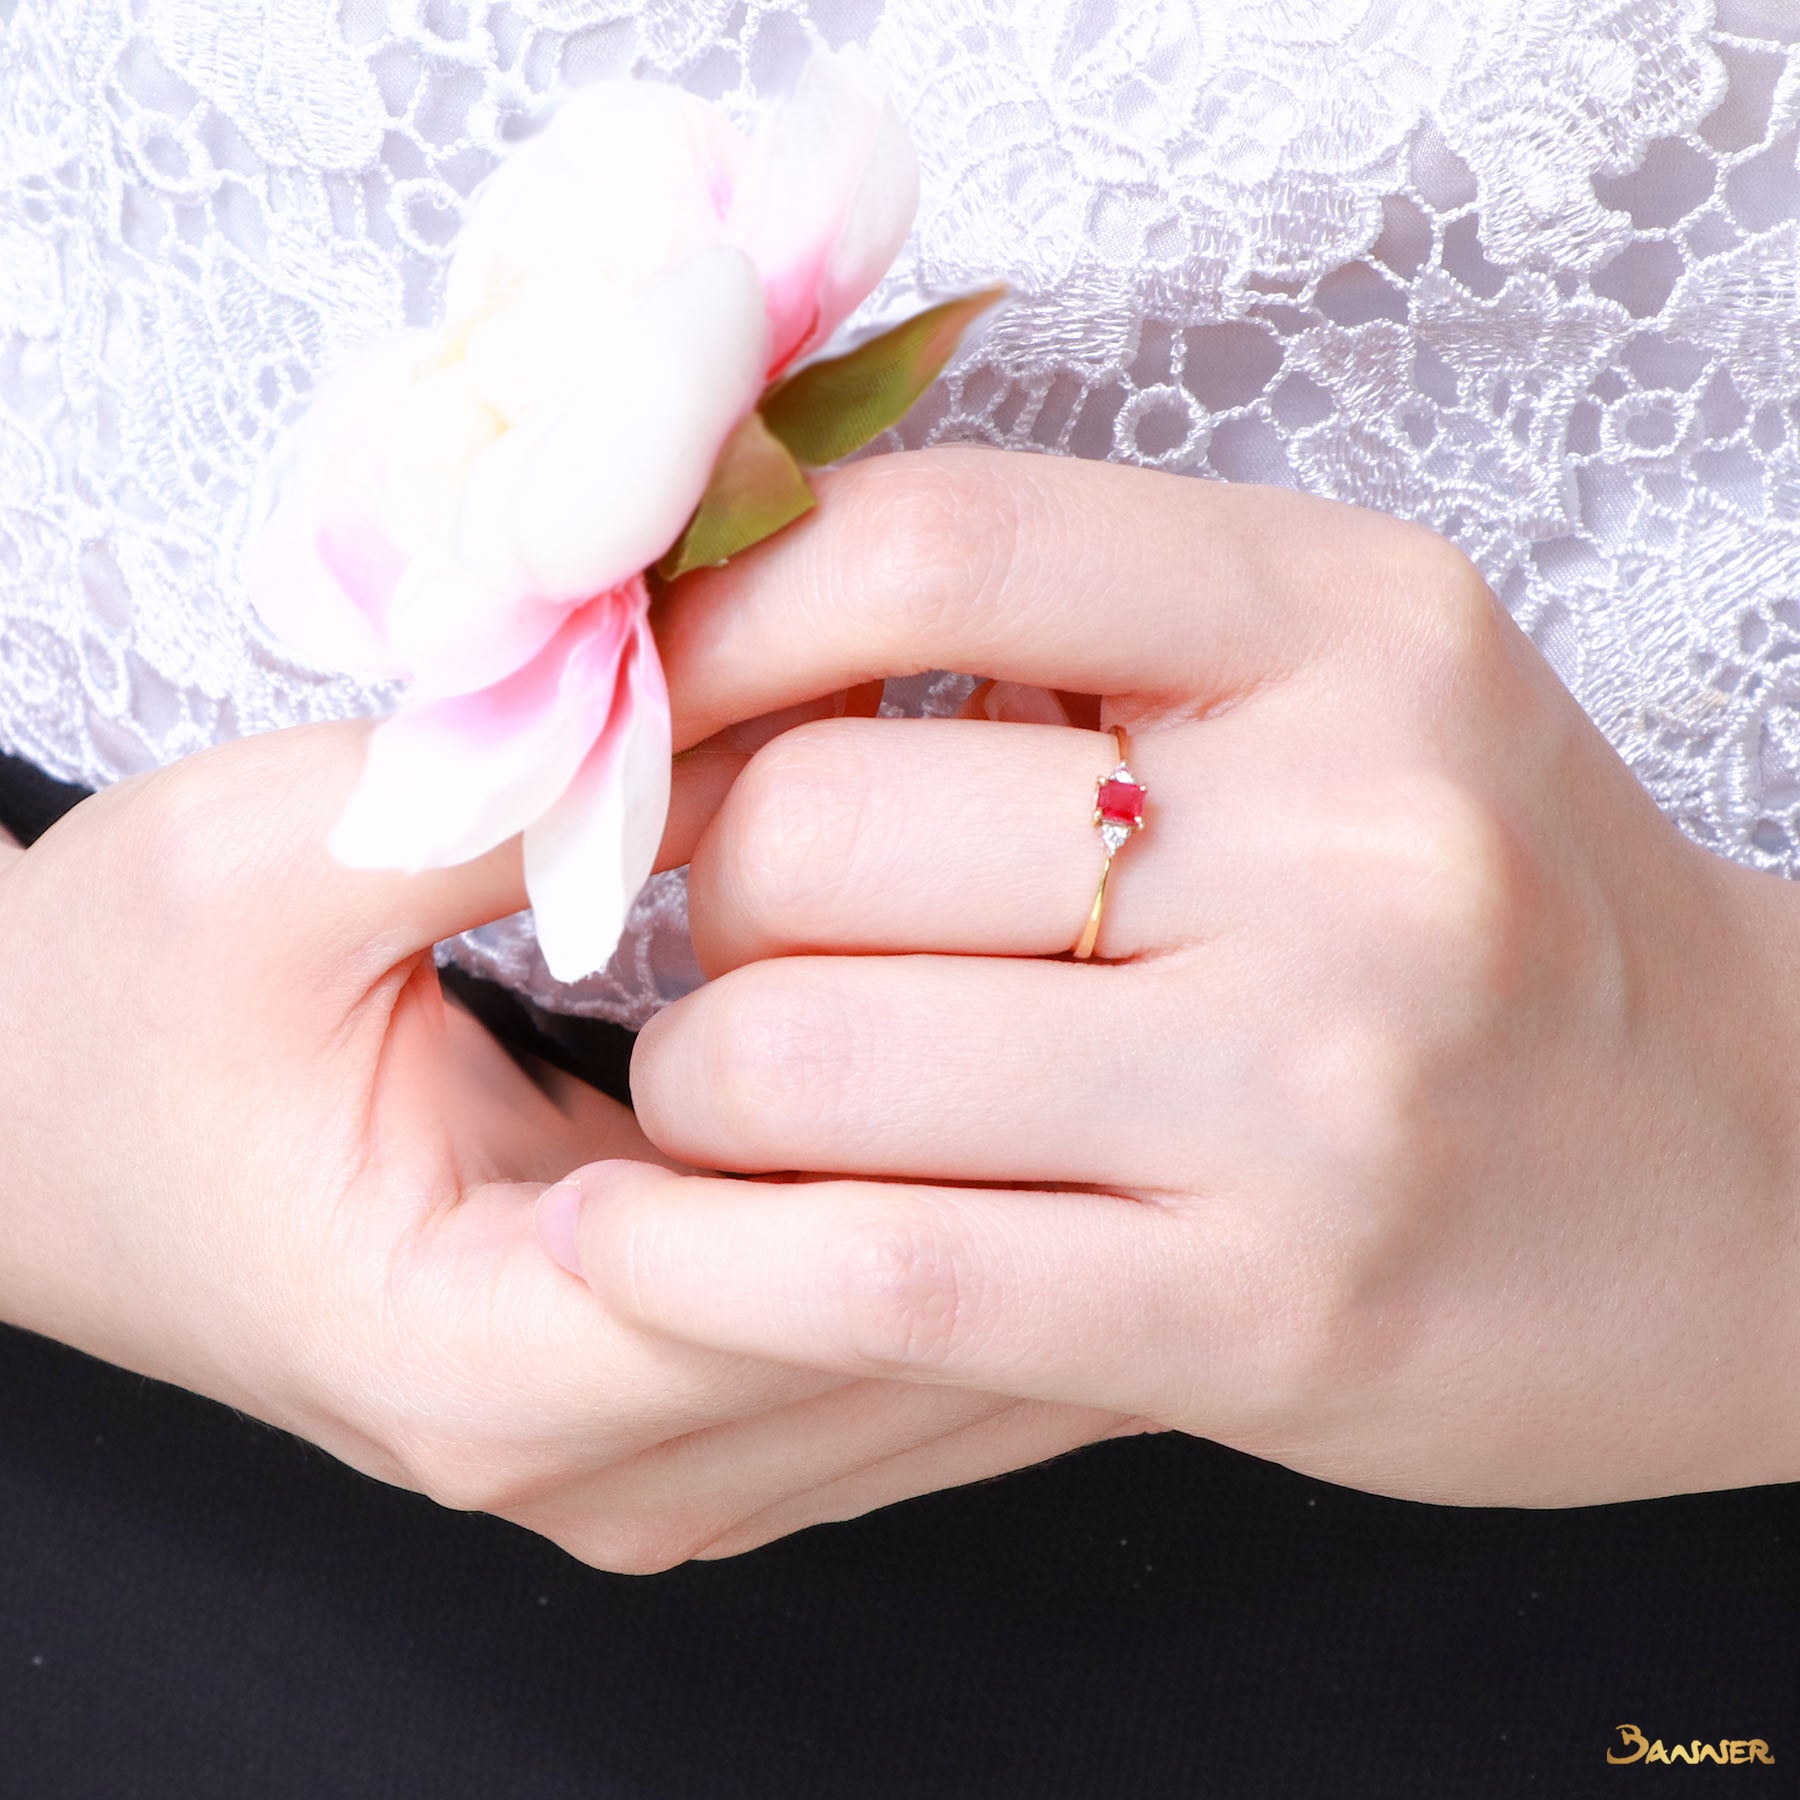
x,y
1118,815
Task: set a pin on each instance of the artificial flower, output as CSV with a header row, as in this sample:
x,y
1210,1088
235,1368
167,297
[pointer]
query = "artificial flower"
x,y
471,508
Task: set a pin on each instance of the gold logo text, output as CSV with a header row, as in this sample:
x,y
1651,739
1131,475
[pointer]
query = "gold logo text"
x,y
1639,1748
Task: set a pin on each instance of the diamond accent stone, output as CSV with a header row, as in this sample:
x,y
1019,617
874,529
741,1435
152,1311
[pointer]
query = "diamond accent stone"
x,y
1114,832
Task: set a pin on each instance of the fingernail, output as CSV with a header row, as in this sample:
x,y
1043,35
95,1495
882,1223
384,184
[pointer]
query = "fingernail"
x,y
557,1217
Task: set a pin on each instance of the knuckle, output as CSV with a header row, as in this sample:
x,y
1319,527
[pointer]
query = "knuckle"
x,y
933,528
1333,1322
201,829
198,829
1448,901
449,1432
795,819
1374,1095
1359,1093
1315,1350
191,853
1453,626
902,1294
1364,1092
1436,565
636,1545
461,1474
1461,891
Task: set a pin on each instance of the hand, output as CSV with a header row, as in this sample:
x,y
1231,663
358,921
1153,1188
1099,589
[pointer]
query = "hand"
x,y
1427,1122
251,1150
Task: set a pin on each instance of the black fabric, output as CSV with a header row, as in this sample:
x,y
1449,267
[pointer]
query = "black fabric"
x,y
31,801
595,1049
195,1607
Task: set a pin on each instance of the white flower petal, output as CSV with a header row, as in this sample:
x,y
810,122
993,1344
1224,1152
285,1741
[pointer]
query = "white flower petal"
x,y
626,179
588,856
826,199
439,425
577,500
876,223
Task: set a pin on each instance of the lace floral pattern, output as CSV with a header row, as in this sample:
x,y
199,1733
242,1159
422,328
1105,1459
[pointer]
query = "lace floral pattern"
x,y
1525,270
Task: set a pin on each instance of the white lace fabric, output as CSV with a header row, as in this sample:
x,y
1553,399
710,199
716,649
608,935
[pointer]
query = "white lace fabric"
x,y
1527,271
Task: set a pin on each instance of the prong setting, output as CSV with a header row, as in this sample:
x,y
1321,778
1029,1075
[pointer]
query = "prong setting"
x,y
1118,807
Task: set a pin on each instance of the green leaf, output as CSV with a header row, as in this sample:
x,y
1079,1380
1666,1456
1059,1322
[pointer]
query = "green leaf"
x,y
756,488
828,409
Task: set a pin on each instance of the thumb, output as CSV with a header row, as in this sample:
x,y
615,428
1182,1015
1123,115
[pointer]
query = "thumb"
x,y
232,843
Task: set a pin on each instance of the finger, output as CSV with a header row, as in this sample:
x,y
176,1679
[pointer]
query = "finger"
x,y
1045,570
1018,1436
703,776
228,848
230,845
941,834
1016,703
670,1502
1020,704
565,1386
930,1067
1081,1297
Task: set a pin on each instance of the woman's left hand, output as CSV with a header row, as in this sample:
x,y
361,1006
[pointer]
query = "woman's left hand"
x,y
1427,1121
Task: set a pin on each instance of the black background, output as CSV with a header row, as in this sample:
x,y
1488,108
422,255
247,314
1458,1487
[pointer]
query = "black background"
x,y
194,1605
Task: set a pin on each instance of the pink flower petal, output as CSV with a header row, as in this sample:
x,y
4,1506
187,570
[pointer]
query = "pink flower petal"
x,y
588,856
448,779
302,602
320,569
456,635
577,500
344,445
826,201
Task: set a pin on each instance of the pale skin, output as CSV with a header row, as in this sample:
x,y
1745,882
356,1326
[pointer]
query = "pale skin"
x,y
1421,1125
1427,1121
251,1150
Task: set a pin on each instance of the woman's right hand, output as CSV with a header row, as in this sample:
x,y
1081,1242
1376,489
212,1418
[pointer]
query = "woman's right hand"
x,y
251,1150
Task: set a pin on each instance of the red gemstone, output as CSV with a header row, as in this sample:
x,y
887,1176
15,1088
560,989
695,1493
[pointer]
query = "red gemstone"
x,y
1121,802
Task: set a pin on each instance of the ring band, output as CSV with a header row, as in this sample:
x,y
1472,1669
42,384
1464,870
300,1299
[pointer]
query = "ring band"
x,y
1118,815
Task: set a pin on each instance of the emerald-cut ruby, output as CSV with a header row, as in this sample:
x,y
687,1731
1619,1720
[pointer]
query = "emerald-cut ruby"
x,y
1121,802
